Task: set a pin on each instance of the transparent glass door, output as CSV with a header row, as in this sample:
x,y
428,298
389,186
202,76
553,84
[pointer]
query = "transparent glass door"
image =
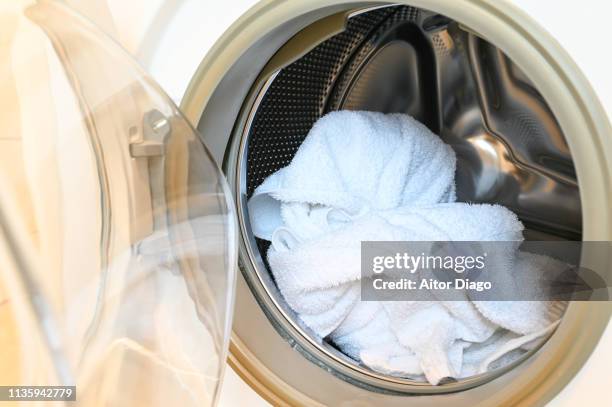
x,y
117,232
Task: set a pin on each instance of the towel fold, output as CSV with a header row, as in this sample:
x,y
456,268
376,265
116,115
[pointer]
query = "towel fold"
x,y
355,161
365,176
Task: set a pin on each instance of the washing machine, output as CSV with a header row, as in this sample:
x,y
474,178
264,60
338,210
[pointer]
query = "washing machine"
x,y
165,202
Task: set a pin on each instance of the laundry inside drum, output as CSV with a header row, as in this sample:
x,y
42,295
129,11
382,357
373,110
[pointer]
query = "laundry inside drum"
x,y
509,147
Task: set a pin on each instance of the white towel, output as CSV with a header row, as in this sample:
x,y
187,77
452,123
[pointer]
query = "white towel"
x,y
364,176
319,278
357,161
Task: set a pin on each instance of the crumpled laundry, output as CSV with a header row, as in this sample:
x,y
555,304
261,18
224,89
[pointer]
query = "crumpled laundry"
x,y
367,176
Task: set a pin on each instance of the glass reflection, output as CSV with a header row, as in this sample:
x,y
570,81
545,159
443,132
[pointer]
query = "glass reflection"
x,y
128,219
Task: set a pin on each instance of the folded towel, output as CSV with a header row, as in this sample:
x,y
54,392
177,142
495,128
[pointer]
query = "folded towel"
x,y
365,176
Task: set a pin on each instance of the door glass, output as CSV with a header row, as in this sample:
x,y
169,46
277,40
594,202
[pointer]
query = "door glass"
x,y
128,223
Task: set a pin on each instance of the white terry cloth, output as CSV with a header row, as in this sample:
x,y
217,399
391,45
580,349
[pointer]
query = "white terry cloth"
x,y
365,335
363,176
510,314
357,161
319,279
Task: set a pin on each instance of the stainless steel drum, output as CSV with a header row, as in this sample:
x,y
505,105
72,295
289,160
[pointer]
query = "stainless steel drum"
x,y
402,59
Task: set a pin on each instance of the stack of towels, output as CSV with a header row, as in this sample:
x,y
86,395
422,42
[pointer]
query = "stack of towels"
x,y
366,176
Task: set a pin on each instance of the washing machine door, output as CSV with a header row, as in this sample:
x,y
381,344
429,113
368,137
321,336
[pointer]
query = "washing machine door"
x,y
117,233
